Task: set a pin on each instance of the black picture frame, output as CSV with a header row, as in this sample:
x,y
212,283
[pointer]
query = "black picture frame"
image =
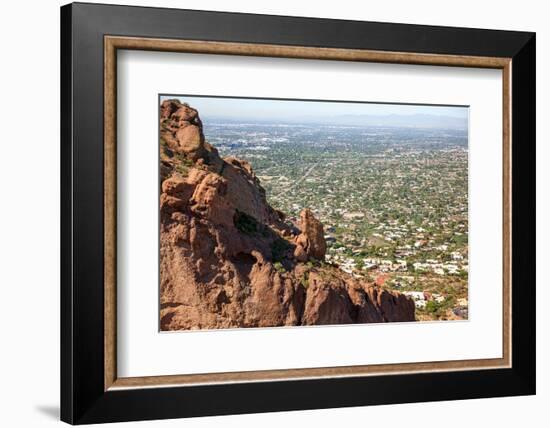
x,y
83,398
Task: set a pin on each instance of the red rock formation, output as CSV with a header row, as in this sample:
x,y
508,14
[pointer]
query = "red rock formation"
x,y
228,259
310,243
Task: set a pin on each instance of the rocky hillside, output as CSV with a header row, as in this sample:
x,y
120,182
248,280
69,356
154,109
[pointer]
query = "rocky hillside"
x,y
228,259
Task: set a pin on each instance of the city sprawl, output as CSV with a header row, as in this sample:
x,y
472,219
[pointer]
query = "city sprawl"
x,y
393,201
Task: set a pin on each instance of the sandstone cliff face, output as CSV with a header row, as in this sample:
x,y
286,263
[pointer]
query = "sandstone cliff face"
x,y
228,259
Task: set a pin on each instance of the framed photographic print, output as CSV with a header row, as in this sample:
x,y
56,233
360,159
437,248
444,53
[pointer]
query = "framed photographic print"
x,y
265,213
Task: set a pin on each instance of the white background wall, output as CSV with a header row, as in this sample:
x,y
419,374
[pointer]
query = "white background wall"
x,y
29,218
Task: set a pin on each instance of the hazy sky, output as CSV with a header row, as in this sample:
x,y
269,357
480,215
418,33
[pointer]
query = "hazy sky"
x,y
246,108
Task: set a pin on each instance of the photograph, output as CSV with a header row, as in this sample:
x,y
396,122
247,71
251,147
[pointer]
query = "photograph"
x,y
282,212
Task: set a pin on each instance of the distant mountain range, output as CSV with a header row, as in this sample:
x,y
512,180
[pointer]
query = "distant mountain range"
x,y
413,120
391,120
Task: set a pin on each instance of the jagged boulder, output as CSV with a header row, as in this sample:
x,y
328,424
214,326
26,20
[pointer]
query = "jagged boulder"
x,y
181,129
310,243
333,298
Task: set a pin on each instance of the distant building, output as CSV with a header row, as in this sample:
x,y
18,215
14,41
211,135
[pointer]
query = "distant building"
x,y
354,215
